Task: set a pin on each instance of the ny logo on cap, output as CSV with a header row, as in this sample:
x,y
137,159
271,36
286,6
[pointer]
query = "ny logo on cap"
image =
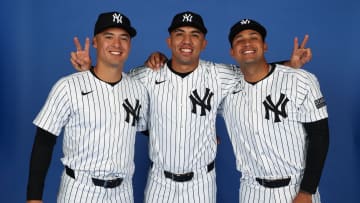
x,y
187,17
117,17
245,21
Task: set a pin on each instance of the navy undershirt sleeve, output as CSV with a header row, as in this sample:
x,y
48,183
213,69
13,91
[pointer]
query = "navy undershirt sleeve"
x,y
41,154
318,144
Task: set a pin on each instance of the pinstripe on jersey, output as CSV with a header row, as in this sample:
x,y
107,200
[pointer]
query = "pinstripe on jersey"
x,y
182,114
265,122
99,134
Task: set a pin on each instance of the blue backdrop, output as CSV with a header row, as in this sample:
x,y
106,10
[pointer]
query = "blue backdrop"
x,y
36,41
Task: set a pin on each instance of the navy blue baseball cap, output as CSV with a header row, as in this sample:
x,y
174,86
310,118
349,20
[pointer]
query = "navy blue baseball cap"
x,y
113,19
246,24
188,18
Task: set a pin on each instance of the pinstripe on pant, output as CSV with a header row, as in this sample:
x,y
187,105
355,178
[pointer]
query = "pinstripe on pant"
x,y
72,190
201,189
257,193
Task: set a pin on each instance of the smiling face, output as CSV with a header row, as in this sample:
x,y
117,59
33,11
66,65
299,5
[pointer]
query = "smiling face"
x,y
113,47
186,44
248,47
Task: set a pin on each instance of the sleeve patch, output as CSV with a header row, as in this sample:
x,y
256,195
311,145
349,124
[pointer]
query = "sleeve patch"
x,y
320,102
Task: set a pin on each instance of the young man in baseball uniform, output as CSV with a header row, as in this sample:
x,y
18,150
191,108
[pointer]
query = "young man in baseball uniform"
x,y
184,97
277,124
100,111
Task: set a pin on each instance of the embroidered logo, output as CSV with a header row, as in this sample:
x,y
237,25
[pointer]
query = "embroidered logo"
x,y
187,17
204,102
131,111
270,106
85,93
245,22
159,82
117,17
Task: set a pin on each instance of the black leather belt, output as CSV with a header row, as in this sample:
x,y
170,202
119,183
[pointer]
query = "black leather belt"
x,y
98,182
107,183
186,176
273,183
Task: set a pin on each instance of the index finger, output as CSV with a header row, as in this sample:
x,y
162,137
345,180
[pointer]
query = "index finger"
x,y
77,44
304,42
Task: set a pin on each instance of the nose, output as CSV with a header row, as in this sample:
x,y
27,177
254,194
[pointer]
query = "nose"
x,y
187,39
247,42
117,42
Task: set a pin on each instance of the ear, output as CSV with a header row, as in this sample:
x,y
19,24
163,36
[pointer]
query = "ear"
x,y
204,44
265,46
168,42
231,51
94,42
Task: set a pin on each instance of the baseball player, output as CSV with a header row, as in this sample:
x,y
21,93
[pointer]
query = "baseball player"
x,y
100,111
277,124
184,97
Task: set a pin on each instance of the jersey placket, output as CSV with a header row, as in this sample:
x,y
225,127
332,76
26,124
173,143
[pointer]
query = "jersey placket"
x,y
182,91
115,115
256,107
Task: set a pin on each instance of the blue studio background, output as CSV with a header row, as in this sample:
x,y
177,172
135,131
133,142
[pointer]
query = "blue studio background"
x,y
37,38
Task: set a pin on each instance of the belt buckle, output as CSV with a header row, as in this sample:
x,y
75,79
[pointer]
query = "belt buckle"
x,y
175,176
262,181
106,183
183,177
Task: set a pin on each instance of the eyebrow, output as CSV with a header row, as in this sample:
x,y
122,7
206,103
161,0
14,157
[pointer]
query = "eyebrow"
x,y
192,31
251,33
122,34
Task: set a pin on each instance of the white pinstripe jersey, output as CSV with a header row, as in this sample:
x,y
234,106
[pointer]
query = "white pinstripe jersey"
x,y
99,134
182,132
264,122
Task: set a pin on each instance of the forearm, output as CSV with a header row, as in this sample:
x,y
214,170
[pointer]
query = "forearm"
x,y
39,163
318,144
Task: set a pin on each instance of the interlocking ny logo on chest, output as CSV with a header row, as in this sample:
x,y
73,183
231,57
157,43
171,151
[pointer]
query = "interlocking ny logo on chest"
x,y
204,102
132,111
270,106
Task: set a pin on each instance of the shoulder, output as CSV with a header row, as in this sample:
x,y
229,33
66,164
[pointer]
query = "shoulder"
x,y
216,66
220,69
143,73
74,80
132,82
139,71
66,79
300,74
128,78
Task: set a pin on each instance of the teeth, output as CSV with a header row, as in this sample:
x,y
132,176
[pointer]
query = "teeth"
x,y
186,50
248,52
115,52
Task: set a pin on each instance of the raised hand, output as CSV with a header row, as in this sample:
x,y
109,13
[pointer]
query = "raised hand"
x,y
300,55
156,60
80,59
